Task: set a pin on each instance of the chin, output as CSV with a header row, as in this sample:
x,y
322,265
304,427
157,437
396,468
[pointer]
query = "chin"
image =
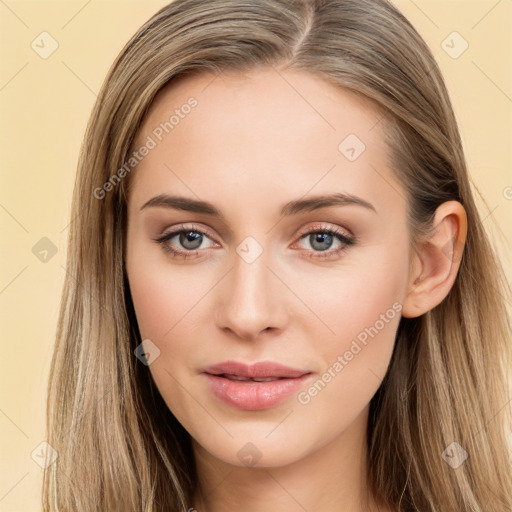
x,y
257,449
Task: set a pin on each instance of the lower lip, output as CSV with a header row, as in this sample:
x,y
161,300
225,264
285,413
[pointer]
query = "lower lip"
x,y
252,395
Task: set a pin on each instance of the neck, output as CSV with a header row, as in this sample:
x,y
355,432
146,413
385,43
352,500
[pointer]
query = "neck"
x,y
331,479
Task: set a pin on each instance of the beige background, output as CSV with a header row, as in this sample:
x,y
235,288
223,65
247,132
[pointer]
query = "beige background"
x,y
44,105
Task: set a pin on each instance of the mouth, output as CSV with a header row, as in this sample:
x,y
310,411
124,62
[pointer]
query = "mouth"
x,y
254,387
261,370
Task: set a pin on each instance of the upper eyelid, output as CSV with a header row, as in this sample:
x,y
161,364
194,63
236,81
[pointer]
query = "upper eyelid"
x,y
181,228
326,227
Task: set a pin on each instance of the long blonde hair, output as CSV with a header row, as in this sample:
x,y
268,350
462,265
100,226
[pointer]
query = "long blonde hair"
x,y
119,447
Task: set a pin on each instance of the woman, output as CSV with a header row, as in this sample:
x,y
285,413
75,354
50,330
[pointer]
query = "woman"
x,y
279,291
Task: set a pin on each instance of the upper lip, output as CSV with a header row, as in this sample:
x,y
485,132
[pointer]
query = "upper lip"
x,y
256,370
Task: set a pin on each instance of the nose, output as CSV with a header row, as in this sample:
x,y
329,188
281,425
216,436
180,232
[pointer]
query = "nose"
x,y
251,299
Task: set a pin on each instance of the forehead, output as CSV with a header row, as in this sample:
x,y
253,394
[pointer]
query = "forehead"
x,y
268,98
266,128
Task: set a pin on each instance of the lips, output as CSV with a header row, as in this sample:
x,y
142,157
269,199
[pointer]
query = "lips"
x,y
254,387
262,370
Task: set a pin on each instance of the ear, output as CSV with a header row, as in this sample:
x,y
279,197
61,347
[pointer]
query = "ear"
x,y
436,261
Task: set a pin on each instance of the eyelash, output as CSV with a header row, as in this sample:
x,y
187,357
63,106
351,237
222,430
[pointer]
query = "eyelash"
x,y
346,240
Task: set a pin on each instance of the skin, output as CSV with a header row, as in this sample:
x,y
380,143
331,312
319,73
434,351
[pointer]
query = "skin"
x,y
253,143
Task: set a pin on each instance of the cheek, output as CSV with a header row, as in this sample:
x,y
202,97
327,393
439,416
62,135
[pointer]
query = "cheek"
x,y
362,309
164,301
365,294
163,294
147,300
370,305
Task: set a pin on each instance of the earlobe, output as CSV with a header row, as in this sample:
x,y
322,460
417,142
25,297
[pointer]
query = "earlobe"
x,y
437,261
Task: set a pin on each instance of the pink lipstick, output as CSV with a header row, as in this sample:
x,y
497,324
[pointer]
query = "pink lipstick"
x,y
254,386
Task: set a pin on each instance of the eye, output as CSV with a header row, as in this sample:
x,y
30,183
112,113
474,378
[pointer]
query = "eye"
x,y
188,241
321,239
184,241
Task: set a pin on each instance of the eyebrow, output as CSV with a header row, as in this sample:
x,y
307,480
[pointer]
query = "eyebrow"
x,y
291,208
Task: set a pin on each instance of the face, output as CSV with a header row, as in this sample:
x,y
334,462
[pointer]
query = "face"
x,y
267,256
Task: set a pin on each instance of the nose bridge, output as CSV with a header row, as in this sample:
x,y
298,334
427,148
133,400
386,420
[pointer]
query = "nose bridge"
x,y
251,300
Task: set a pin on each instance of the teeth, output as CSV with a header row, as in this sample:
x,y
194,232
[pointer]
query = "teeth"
x,y
236,377
255,379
